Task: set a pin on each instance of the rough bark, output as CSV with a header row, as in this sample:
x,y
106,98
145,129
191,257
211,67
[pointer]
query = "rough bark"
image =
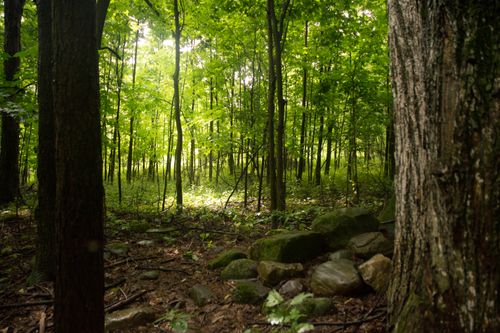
x,y
44,269
446,86
79,191
9,144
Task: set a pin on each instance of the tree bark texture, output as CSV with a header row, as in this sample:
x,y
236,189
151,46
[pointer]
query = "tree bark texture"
x,y
9,144
79,191
446,86
45,266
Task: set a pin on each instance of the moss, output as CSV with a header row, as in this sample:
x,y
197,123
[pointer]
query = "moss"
x,y
223,259
240,269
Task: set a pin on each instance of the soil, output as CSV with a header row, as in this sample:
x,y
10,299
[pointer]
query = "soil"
x,y
182,260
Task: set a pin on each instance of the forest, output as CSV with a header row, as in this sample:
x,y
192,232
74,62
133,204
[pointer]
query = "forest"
x,y
249,166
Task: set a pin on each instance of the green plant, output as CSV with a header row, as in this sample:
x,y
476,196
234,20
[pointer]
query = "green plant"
x,y
280,312
178,320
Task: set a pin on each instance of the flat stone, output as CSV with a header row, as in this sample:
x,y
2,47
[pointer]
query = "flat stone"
x,y
201,294
342,254
336,277
272,272
289,247
146,242
129,318
118,248
149,275
368,244
291,288
240,269
376,272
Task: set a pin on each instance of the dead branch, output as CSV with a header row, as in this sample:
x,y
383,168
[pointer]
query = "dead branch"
x,y
124,302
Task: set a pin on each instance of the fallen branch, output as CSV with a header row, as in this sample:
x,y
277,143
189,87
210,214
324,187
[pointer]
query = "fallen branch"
x,y
114,284
28,304
126,260
151,268
124,302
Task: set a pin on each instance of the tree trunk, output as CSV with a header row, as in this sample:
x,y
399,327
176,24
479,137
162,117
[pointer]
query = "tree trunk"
x,y
177,109
132,117
9,146
79,192
445,69
45,262
302,161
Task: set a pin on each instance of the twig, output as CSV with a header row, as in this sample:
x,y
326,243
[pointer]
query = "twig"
x,y
126,260
22,305
124,302
42,324
150,268
114,284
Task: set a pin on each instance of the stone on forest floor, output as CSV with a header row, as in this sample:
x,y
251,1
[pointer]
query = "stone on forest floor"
x,y
291,288
223,259
368,244
249,292
118,248
149,275
341,254
342,224
336,277
315,307
240,269
288,247
200,294
146,242
137,226
129,318
272,272
376,272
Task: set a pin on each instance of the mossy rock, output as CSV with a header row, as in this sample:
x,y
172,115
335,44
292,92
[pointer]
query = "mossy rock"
x,y
298,246
341,225
315,307
137,226
249,292
240,269
118,248
223,259
272,272
129,318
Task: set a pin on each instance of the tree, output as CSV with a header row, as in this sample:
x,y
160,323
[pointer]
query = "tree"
x,y
445,75
177,108
79,192
9,149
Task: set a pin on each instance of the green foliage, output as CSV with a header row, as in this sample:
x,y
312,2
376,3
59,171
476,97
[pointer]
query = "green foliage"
x,y
280,312
177,319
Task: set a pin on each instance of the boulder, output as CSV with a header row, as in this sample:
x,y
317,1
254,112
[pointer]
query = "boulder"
x,y
249,292
315,307
336,277
240,269
119,249
129,318
376,272
223,259
342,224
368,244
298,246
291,288
342,254
200,294
272,272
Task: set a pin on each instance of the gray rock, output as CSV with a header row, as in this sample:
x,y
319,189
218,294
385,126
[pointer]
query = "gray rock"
x,y
315,307
200,294
342,254
291,288
272,272
146,242
341,225
288,247
240,269
223,259
336,277
368,244
149,275
129,318
118,248
249,292
376,272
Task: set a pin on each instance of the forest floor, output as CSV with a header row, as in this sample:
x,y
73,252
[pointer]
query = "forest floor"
x,y
181,254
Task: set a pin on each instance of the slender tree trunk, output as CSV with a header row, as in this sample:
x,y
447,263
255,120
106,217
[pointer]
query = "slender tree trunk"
x,y
445,70
79,293
9,146
329,141
132,118
317,174
177,109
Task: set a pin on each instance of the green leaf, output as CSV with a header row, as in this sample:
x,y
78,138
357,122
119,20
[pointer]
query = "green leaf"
x,y
273,299
300,298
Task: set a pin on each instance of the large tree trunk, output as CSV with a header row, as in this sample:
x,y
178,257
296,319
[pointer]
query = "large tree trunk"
x,y
79,191
45,265
9,146
177,109
445,71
